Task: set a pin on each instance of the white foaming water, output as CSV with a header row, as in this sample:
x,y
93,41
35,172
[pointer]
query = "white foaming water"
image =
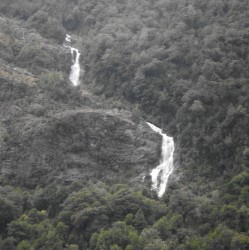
x,y
74,76
68,38
161,173
75,68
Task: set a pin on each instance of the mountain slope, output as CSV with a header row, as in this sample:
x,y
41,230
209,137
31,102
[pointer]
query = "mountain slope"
x,y
66,153
50,130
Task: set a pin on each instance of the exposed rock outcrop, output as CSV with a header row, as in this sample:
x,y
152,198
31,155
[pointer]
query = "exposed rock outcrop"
x,y
51,131
78,144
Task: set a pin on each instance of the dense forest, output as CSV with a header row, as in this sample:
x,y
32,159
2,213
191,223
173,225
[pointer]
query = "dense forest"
x,y
182,64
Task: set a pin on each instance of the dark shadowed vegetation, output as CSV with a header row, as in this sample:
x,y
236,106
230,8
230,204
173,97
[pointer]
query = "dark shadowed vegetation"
x,y
182,64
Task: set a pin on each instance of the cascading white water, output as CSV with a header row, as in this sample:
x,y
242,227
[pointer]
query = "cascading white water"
x,y
68,38
161,173
74,76
75,68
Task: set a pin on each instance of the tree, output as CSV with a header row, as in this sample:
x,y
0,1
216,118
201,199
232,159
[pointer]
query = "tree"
x,y
139,221
7,213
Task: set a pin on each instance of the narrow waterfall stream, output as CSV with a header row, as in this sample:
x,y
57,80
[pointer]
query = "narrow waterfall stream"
x,y
161,173
74,76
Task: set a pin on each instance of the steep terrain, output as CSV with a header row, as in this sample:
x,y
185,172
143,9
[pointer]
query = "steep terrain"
x,y
51,131
75,160
76,144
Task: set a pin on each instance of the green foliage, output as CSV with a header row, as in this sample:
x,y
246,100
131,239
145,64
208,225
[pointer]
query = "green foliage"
x,y
139,220
163,226
24,245
33,56
184,65
220,237
148,235
101,217
35,231
117,237
7,213
53,82
156,244
48,26
196,244
240,241
12,203
148,59
128,218
73,247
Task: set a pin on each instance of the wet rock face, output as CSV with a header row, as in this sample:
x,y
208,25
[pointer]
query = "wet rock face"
x,y
79,144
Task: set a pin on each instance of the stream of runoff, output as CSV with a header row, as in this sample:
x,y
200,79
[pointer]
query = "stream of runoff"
x,y
74,76
161,173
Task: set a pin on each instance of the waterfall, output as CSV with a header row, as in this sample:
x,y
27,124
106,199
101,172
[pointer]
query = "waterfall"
x,y
161,173
74,76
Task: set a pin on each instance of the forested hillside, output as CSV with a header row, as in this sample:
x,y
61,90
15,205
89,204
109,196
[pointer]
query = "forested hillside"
x,y
182,64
